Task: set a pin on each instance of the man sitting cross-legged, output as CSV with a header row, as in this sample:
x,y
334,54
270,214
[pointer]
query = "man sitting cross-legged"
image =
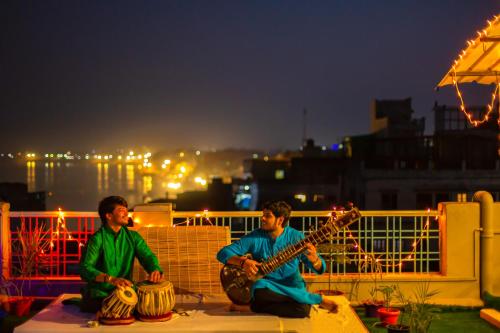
x,y
282,292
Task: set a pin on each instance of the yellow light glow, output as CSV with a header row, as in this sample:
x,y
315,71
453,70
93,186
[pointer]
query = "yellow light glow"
x,y
181,154
183,169
131,153
200,181
167,161
198,153
174,186
119,157
301,197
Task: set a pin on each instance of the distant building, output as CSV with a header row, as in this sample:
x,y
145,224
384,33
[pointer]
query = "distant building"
x,y
217,197
310,180
20,199
395,166
393,118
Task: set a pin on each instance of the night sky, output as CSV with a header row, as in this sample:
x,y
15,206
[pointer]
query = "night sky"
x,y
85,75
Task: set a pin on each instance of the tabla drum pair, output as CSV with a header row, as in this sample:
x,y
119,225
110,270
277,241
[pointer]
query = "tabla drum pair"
x,y
153,302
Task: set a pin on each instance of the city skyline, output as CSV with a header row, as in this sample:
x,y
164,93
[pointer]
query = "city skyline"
x,y
85,76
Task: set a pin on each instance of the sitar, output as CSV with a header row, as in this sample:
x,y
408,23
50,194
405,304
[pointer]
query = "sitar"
x,y
238,285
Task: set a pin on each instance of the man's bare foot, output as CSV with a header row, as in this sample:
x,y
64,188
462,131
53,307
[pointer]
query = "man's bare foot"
x,y
240,308
329,305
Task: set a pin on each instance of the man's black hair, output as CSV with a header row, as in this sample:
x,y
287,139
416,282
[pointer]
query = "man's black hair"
x,y
279,209
108,204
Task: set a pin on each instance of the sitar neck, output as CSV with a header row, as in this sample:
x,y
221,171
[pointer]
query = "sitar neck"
x,y
332,227
295,250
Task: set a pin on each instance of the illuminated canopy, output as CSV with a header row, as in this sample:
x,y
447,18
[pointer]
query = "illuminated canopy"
x,y
480,61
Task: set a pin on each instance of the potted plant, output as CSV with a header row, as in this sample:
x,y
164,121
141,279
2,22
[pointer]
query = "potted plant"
x,y
402,324
5,292
374,267
32,246
387,314
417,312
372,304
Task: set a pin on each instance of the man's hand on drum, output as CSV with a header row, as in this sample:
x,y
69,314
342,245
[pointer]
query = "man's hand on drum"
x,y
155,277
120,282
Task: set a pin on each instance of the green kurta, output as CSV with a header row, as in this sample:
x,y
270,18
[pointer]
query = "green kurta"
x,y
113,253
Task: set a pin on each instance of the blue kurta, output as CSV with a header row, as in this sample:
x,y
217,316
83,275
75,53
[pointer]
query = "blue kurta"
x,y
286,280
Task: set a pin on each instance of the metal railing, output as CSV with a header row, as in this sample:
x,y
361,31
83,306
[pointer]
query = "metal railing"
x,y
394,241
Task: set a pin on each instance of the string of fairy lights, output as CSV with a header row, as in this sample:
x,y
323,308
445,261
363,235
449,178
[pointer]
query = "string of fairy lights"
x,y
62,231
411,257
381,260
490,107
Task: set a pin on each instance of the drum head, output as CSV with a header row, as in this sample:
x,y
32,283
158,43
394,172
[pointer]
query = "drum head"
x,y
127,295
146,285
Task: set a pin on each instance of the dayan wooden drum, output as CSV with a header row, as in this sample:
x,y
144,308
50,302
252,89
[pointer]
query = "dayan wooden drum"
x,y
156,301
118,307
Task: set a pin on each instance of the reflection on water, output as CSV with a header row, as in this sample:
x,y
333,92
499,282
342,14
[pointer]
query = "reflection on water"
x,y
49,173
99,177
147,182
106,177
102,177
79,186
119,176
31,175
130,177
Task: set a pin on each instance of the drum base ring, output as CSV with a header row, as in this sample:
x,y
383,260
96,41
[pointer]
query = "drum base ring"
x,y
117,321
164,317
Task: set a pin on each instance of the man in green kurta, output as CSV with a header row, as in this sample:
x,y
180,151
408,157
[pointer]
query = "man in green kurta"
x,y
107,259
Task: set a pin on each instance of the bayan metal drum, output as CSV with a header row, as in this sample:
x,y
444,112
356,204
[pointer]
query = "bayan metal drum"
x,y
118,307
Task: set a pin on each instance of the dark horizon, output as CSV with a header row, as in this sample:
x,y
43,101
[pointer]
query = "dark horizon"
x,y
91,75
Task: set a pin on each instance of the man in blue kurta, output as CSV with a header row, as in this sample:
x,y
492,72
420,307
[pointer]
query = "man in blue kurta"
x,y
282,292
107,259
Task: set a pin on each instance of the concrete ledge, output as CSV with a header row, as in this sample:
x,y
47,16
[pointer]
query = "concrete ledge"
x,y
492,316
